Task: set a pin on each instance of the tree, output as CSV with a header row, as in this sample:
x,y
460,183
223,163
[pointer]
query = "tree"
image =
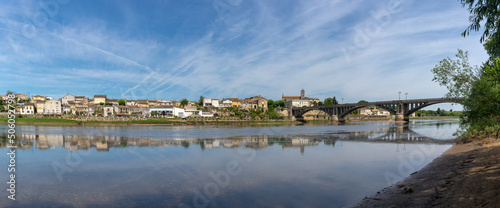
x,y
184,102
482,103
9,92
270,104
200,102
479,11
330,101
457,75
101,103
362,101
122,102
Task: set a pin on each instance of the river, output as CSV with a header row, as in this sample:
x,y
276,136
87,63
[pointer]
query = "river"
x,y
226,166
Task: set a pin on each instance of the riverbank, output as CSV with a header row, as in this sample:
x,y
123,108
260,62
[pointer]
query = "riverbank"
x,y
175,122
149,121
466,175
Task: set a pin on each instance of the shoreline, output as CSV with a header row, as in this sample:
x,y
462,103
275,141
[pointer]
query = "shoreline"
x,y
466,175
164,122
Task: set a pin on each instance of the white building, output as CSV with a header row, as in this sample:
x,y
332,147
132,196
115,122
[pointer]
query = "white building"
x,y
226,103
66,98
211,102
168,111
52,107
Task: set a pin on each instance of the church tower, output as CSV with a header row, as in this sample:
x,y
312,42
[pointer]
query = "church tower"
x,y
302,94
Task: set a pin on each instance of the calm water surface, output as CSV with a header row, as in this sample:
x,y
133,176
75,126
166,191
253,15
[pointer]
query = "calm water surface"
x,y
271,166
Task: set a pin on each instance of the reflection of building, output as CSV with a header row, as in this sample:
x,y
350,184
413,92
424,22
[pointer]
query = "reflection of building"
x,y
300,143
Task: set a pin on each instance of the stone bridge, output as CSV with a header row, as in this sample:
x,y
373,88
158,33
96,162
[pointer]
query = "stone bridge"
x,y
402,109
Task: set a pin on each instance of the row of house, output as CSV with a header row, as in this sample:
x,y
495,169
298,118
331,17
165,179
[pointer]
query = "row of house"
x,y
254,102
102,105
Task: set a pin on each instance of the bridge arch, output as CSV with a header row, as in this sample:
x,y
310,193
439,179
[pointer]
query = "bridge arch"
x,y
414,107
392,108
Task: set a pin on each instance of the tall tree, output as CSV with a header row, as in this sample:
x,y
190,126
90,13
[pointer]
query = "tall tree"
x,y
457,75
184,102
200,102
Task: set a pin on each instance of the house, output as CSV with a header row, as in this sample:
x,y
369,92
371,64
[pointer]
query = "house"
x,y
39,107
168,111
53,107
192,111
299,101
226,103
236,102
72,106
176,103
113,101
3,97
81,100
66,98
27,109
255,102
130,102
66,108
211,102
374,111
108,110
22,97
123,110
143,103
152,103
134,110
82,108
100,99
38,97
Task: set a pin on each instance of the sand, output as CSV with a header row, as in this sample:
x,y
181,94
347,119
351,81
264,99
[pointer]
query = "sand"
x,y
466,175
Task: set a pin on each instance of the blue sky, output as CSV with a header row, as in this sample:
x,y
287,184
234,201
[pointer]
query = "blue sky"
x,y
230,48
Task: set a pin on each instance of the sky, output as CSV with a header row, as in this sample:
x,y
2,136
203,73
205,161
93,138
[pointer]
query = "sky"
x,y
171,49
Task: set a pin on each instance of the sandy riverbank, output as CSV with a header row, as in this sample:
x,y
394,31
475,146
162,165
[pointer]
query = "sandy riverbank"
x,y
466,175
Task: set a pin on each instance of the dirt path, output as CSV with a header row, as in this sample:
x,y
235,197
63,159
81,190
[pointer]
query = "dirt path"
x,y
467,175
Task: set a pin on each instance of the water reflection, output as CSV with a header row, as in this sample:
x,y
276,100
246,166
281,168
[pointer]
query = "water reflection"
x,y
300,166
72,143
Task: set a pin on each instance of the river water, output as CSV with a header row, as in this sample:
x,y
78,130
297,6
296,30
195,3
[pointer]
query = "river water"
x,y
229,166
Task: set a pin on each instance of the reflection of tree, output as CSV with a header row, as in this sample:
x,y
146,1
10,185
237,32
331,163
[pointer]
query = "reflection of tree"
x,y
185,144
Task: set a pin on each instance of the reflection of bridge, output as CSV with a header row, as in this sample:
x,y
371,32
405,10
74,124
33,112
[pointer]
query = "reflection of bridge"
x,y
401,108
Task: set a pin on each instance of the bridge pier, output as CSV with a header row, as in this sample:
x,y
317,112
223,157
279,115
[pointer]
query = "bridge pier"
x,y
401,118
337,119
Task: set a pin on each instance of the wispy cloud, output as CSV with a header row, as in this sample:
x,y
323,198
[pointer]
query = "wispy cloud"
x,y
246,48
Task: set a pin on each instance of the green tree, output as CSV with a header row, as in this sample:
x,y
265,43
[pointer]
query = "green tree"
x,y
270,104
101,103
457,75
483,11
362,101
482,104
122,102
9,92
184,102
200,102
330,101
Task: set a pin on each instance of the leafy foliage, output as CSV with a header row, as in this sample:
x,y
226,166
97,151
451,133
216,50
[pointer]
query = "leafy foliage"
x,y
184,102
200,102
330,101
122,102
457,75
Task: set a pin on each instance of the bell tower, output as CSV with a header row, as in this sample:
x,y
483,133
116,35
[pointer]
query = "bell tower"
x,y
302,94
